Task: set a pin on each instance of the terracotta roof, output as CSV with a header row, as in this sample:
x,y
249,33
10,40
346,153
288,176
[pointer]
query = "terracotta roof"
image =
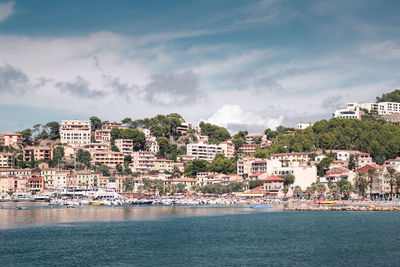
x,y
272,178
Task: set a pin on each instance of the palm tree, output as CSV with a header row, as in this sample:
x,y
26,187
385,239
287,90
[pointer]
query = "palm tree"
x,y
320,188
391,176
334,189
297,190
371,175
347,189
360,183
310,191
285,190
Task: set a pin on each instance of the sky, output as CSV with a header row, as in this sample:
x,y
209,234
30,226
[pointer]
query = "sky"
x,y
251,65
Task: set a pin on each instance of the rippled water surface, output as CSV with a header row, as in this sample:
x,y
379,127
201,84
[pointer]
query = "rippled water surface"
x,y
187,236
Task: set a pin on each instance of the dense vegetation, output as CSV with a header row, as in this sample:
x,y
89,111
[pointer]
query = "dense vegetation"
x,y
378,138
220,164
216,134
393,96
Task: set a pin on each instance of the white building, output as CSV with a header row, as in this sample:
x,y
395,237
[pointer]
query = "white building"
x,y
352,111
301,125
383,108
74,132
204,151
304,175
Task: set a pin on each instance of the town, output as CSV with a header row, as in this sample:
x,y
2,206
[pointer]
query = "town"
x,y
166,156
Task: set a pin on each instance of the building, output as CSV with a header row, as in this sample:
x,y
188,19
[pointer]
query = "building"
x,y
301,125
204,151
145,131
290,157
248,149
142,161
109,125
382,108
163,165
228,148
335,174
12,184
394,163
304,175
39,153
362,159
256,138
108,158
6,160
102,136
11,139
272,183
352,111
248,166
188,182
75,133
96,146
124,145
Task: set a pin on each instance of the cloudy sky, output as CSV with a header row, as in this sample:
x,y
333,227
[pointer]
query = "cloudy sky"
x,y
238,64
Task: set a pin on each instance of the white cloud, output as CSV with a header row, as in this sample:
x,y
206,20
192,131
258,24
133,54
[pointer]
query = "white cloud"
x,y
6,9
234,117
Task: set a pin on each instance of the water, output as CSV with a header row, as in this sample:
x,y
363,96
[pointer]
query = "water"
x,y
184,236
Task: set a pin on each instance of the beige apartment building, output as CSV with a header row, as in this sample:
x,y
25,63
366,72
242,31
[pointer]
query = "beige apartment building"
x,y
12,183
204,151
108,158
75,133
109,125
250,138
124,145
102,136
6,160
228,148
11,139
39,153
163,165
142,161
248,149
289,157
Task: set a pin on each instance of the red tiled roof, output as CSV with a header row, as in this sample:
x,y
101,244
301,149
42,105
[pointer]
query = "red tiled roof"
x,y
272,178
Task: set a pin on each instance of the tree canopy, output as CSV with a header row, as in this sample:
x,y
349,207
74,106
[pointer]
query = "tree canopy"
x,y
216,134
393,96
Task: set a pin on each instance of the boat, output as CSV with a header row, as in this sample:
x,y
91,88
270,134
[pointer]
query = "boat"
x,y
325,202
261,207
96,203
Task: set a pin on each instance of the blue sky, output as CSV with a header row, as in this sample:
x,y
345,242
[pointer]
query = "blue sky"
x,y
239,64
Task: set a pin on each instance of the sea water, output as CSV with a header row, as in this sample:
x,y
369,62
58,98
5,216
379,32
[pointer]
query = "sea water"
x,y
186,236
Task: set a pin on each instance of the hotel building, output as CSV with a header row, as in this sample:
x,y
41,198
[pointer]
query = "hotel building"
x,y
204,151
75,133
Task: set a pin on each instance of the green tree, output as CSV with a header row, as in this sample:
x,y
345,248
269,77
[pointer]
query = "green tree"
x,y
391,175
260,153
128,184
297,191
215,133
26,134
95,123
393,96
84,157
289,179
255,183
58,155
195,166
323,166
222,164
360,183
54,130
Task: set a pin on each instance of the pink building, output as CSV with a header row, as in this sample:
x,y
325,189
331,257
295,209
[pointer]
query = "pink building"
x,y
142,161
11,139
